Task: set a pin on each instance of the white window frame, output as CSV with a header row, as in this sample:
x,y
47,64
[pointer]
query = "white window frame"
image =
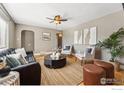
x,y
5,45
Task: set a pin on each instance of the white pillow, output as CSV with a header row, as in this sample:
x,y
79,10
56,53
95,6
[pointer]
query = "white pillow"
x,y
19,57
21,51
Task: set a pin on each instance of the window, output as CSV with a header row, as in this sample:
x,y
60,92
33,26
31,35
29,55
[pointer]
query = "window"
x,y
3,33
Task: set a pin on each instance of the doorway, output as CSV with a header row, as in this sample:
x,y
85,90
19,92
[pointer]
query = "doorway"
x,y
59,40
27,40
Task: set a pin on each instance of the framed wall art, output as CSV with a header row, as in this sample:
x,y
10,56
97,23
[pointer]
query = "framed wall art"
x,y
46,36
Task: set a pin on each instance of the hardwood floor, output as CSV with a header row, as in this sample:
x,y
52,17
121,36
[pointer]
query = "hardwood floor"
x,y
72,74
120,77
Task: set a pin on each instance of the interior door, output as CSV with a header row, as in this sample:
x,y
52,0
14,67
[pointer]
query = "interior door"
x,y
59,40
28,40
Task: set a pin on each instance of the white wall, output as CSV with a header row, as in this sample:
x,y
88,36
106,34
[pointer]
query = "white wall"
x,y
40,45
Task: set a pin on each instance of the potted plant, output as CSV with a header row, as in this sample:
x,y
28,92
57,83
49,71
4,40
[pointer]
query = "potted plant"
x,y
114,44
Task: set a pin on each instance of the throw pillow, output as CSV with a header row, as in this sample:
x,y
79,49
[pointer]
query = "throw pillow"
x,y
67,48
30,58
9,63
21,51
89,50
22,60
12,62
19,57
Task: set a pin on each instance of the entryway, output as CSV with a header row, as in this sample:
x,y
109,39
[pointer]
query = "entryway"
x,y
59,40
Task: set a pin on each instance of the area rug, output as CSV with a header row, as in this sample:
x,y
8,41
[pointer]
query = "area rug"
x,y
71,74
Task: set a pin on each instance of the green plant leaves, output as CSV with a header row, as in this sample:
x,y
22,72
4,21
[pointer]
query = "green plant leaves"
x,y
113,43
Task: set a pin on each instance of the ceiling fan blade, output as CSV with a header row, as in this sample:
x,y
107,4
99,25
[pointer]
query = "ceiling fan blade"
x,y
51,21
49,18
64,20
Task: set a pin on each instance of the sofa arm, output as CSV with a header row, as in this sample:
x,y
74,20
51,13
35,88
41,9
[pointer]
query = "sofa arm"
x,y
30,74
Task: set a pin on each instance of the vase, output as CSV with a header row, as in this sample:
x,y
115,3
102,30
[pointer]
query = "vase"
x,y
54,53
116,65
58,55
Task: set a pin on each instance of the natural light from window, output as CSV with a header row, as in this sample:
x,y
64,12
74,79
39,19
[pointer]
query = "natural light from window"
x,y
3,33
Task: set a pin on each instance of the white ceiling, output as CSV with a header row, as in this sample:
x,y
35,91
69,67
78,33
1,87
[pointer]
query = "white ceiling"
x,y
77,13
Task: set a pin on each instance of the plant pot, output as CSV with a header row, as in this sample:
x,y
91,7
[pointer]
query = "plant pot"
x,y
117,66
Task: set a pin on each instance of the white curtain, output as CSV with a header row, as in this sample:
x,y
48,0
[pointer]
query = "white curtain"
x,y
76,37
92,40
86,36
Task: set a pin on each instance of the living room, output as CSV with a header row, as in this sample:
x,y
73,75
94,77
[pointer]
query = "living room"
x,y
52,45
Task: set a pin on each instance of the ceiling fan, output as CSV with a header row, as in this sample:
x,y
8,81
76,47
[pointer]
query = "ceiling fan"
x,y
57,19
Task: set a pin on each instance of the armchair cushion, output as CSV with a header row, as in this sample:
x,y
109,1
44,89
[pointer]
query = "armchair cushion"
x,y
79,56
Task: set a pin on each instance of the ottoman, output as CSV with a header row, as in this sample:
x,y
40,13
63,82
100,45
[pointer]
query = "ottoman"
x,y
109,69
93,74
88,61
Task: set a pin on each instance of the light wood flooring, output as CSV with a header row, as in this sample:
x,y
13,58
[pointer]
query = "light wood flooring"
x,y
71,74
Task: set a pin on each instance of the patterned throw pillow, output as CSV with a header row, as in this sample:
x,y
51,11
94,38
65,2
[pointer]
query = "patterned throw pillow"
x,y
12,62
19,57
9,63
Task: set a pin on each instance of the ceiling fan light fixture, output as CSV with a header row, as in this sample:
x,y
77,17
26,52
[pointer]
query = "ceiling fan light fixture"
x,y
57,19
57,22
60,34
